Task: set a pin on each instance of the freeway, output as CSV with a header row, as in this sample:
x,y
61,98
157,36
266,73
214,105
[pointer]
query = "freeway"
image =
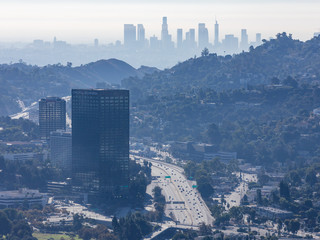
x,y
184,203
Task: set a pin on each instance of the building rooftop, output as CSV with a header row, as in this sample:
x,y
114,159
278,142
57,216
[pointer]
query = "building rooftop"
x,y
21,193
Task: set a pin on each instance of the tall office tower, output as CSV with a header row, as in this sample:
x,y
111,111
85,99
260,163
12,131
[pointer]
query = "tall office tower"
x,y
100,142
61,149
244,43
164,31
190,41
96,42
141,35
258,39
230,44
154,42
187,40
129,35
192,32
166,39
52,115
203,36
216,34
179,38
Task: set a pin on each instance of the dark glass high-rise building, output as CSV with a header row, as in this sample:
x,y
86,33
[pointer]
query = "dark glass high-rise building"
x,y
100,141
52,115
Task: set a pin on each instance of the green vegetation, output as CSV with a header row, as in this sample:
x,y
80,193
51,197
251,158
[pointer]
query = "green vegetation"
x,y
31,174
18,129
159,204
13,225
265,125
203,172
46,236
278,58
28,83
132,227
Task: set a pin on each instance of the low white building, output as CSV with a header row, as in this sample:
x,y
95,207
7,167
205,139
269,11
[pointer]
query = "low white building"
x,y
22,196
19,156
273,213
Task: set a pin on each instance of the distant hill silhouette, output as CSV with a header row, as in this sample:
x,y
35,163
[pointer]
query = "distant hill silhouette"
x,y
28,83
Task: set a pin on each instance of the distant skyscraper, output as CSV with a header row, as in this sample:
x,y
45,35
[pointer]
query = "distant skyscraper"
x,y
52,115
164,31
129,35
166,38
192,37
100,141
154,42
216,34
244,43
203,36
230,44
179,37
61,149
96,42
258,39
141,35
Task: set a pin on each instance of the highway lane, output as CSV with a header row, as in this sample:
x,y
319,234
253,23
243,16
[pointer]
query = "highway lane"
x,y
177,188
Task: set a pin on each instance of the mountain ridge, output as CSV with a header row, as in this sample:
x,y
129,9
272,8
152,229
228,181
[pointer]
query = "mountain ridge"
x,y
27,83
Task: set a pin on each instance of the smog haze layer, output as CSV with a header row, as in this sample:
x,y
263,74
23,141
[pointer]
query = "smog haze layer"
x,y
80,21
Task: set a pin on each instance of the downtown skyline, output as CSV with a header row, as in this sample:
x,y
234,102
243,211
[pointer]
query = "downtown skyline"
x,y
82,21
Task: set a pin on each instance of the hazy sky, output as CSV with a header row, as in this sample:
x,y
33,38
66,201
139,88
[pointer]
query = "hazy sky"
x,y
80,21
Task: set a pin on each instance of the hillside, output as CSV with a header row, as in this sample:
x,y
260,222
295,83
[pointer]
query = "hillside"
x,y
277,58
29,83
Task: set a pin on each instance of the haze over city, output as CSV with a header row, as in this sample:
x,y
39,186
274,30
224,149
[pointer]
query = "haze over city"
x,y
159,119
82,21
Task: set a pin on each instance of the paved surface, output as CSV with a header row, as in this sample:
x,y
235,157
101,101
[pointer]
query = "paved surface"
x,y
234,199
184,203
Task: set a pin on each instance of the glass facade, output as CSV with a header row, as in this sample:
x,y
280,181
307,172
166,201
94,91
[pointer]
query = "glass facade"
x,y
100,141
52,116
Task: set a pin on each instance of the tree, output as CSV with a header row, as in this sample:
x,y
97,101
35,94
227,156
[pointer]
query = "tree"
x,y
77,222
284,190
205,52
85,233
294,226
279,225
5,224
213,134
311,177
22,230
259,196
275,81
289,81
116,225
204,229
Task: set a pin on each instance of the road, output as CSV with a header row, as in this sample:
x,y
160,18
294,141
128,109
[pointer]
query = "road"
x,y
234,199
184,203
